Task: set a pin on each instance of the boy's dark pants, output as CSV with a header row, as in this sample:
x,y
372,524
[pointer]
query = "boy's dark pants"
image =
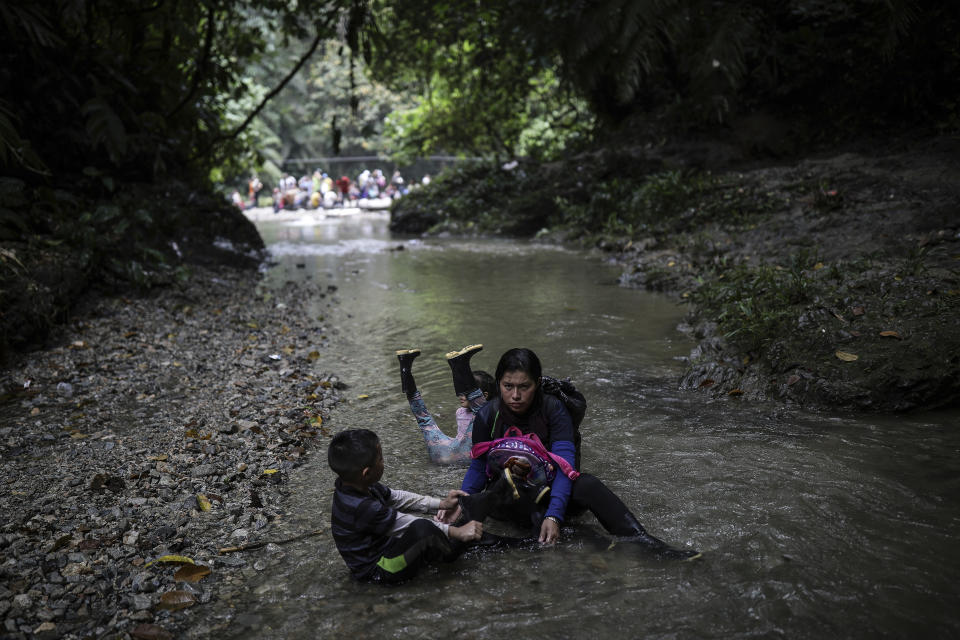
x,y
420,544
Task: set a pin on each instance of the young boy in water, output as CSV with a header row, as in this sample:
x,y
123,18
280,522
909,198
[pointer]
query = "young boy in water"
x,y
379,541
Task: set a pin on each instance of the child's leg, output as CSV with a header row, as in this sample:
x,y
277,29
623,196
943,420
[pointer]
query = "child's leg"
x,y
407,383
475,400
422,543
459,361
432,435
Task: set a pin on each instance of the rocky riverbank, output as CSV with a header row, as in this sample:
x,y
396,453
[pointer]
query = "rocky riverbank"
x,y
149,435
831,282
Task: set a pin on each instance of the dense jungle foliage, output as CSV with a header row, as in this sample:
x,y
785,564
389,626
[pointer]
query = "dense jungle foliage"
x,y
119,119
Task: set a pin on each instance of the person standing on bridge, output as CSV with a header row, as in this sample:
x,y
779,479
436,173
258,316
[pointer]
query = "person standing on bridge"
x,y
343,185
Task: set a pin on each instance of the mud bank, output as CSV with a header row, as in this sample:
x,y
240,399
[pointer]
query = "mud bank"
x,y
843,292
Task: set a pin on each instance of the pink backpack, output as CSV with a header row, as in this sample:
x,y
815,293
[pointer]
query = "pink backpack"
x,y
516,444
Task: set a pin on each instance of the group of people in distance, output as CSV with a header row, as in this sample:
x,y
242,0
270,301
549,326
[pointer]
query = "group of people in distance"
x,y
518,440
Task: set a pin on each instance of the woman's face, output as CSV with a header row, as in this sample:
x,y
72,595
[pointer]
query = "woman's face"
x,y
517,390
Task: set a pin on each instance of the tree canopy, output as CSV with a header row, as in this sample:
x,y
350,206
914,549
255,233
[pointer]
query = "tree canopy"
x,y
136,90
486,71
117,117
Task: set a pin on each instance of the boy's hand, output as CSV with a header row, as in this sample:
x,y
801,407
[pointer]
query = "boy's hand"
x,y
447,516
450,507
468,532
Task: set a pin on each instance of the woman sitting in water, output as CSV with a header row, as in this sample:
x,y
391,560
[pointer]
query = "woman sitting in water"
x,y
521,403
473,388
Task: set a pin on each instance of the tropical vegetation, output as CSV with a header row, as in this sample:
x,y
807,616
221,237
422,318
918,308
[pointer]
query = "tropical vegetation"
x,y
121,122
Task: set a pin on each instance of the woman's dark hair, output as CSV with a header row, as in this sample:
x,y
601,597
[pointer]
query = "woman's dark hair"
x,y
520,359
352,450
485,383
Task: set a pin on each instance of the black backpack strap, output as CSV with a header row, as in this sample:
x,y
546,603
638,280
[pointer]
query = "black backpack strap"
x,y
573,400
496,416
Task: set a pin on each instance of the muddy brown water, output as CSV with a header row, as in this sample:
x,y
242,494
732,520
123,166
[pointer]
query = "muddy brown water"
x,y
812,525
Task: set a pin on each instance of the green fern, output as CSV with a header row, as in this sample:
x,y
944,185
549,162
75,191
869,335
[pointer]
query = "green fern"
x,y
105,127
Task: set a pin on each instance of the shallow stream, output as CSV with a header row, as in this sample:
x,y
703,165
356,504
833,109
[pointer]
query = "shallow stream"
x,y
812,525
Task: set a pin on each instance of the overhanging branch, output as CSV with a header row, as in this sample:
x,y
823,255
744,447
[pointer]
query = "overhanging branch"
x,y
253,114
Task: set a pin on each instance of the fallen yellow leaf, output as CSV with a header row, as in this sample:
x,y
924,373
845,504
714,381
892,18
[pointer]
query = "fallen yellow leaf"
x,y
847,357
171,559
203,502
270,472
891,334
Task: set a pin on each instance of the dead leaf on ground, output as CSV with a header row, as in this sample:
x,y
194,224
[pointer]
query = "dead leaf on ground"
x,y
176,600
146,631
846,356
191,573
858,311
61,542
707,383
735,392
891,334
203,502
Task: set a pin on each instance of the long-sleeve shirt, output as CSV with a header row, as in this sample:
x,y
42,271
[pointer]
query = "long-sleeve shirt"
x,y
363,523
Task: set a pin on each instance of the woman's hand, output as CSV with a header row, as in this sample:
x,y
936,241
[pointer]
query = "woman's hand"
x,y
549,531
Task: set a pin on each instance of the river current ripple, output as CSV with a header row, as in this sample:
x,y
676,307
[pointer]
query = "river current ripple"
x,y
812,524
